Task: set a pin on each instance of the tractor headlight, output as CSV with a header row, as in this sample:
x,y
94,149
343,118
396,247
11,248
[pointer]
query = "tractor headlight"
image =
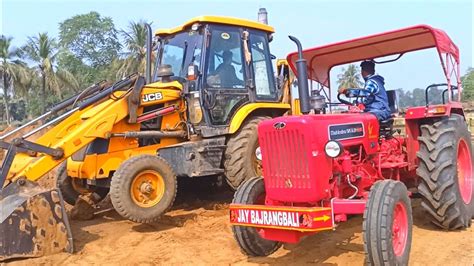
x,y
333,149
258,153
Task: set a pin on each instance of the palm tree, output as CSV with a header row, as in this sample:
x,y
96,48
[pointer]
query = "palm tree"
x,y
11,70
135,41
349,78
24,87
43,50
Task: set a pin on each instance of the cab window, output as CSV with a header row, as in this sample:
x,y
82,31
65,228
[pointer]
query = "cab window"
x,y
225,68
262,67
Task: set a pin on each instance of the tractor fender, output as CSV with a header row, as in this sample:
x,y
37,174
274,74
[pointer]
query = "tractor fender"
x,y
244,112
415,116
432,111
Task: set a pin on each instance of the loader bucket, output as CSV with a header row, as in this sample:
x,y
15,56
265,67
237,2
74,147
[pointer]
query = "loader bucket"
x,y
33,222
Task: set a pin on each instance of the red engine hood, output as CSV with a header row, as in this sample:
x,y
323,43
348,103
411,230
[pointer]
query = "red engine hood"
x,y
295,166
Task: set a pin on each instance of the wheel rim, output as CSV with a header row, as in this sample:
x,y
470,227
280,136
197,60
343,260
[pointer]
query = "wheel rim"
x,y
464,171
257,161
399,229
148,188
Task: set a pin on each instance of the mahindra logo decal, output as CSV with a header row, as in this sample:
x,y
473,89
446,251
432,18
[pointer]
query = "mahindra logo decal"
x,y
279,125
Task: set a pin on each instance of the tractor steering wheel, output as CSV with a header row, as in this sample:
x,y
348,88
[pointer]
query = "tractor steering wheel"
x,y
369,96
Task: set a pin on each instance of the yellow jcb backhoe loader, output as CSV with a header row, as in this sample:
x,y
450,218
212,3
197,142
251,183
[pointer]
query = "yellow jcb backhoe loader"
x,y
196,116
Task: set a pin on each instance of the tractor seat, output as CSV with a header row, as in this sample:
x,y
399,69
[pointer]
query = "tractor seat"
x,y
386,128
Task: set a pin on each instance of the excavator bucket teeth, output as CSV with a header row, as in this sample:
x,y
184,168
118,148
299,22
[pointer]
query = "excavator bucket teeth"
x,y
33,222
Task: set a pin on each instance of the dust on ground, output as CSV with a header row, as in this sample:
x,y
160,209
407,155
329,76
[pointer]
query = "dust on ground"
x,y
197,232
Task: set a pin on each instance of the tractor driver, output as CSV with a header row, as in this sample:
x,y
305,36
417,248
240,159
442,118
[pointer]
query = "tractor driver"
x,y
377,102
226,71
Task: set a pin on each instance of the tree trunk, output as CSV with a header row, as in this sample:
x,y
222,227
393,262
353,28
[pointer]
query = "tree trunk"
x,y
5,97
43,92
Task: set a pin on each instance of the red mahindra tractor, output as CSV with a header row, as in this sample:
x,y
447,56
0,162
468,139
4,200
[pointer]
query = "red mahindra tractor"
x,y
319,168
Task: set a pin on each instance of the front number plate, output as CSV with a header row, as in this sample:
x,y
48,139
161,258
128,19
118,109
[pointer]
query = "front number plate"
x,y
288,218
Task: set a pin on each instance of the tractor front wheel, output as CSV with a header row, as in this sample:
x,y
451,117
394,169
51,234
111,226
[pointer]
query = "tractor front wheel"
x,y
242,156
387,226
251,243
446,172
143,188
71,188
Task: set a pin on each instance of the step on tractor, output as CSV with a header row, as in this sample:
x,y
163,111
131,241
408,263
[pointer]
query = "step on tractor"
x,y
196,116
322,166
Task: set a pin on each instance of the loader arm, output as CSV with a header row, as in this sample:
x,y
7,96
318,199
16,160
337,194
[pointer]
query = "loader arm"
x,y
70,135
33,220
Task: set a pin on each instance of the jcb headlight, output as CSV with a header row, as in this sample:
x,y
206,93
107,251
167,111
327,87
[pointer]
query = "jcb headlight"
x,y
333,149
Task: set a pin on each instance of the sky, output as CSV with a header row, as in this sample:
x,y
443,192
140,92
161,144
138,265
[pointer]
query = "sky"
x,y
313,22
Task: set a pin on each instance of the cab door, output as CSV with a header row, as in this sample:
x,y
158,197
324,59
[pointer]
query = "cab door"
x,y
224,87
264,88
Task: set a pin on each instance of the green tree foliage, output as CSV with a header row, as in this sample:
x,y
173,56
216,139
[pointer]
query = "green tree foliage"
x,y
468,85
416,97
350,78
12,69
135,56
91,38
43,50
90,48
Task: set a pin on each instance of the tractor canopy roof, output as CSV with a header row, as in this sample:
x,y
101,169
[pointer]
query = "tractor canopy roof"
x,y
217,20
397,42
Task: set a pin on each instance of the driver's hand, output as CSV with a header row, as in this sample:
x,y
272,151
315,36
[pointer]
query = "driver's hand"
x,y
342,90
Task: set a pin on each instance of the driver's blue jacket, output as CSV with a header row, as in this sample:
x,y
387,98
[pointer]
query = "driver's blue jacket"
x,y
377,101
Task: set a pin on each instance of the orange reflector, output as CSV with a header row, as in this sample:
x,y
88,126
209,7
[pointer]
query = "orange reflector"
x,y
437,110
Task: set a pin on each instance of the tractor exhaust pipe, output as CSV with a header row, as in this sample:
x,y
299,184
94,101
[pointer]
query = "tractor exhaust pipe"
x,y
302,69
149,47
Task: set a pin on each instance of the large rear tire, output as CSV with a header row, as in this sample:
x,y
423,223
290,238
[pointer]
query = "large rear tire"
x,y
387,226
71,189
446,172
251,243
143,188
242,159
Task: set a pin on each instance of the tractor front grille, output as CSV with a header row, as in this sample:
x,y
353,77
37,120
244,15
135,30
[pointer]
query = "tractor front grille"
x,y
285,159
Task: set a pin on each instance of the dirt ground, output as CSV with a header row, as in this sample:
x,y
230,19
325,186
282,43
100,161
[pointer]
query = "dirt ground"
x,y
197,232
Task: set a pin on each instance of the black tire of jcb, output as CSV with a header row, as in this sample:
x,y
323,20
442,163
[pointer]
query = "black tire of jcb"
x,y
439,186
249,240
122,181
69,193
240,150
378,221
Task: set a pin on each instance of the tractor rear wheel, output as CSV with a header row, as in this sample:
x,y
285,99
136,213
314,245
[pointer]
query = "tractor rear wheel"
x,y
387,226
242,156
143,188
446,172
71,189
251,192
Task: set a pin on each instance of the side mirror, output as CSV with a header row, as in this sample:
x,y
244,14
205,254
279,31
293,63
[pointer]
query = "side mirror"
x,y
193,72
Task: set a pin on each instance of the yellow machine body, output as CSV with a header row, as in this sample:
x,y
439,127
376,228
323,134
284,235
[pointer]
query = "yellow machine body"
x,y
172,117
